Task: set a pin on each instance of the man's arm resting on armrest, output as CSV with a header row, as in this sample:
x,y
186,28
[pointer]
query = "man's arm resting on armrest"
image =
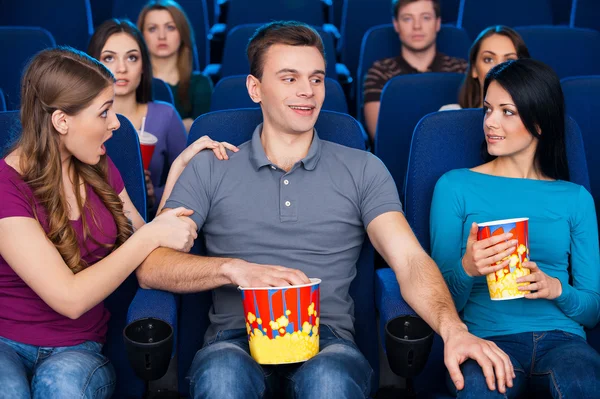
x,y
425,290
420,280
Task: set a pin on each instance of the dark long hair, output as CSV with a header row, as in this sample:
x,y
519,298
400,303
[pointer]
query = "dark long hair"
x,y
143,93
470,91
535,90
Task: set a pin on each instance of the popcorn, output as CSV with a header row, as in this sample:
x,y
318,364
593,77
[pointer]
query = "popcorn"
x,y
286,347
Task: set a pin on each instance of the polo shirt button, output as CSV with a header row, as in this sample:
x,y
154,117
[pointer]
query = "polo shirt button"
x,y
286,182
273,167
288,203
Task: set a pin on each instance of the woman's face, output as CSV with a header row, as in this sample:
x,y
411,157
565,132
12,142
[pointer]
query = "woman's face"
x,y
121,54
161,34
505,133
494,50
83,135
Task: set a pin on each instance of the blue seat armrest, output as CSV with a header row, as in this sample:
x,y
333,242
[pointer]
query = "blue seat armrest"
x,y
217,32
153,303
330,28
343,74
157,304
388,299
213,71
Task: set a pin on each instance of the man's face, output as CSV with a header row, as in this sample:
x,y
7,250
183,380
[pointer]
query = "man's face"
x,y
292,88
417,26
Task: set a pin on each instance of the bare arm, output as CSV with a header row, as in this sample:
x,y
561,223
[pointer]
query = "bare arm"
x,y
45,271
420,280
424,289
71,295
179,272
371,110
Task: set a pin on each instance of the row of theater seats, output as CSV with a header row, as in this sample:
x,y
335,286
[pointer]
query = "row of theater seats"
x,y
345,21
569,51
573,53
441,141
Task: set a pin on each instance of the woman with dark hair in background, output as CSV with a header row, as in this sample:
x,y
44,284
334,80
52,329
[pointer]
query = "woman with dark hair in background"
x,y
526,175
170,39
119,45
493,46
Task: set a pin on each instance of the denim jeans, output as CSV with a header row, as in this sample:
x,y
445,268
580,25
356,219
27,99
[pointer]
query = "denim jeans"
x,y
224,369
551,364
80,371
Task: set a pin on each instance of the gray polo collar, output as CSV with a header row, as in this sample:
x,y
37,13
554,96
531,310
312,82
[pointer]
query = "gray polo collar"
x,y
259,158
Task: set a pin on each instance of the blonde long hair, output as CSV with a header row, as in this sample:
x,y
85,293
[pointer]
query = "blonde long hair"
x,y
63,79
184,56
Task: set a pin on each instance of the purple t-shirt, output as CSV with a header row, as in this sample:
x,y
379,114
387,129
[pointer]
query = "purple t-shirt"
x,y
24,316
163,121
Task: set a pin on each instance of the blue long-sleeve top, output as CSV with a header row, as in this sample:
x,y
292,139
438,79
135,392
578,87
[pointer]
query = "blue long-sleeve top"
x,y
563,232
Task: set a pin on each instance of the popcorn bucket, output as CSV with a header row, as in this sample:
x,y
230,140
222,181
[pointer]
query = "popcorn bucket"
x,y
282,322
502,284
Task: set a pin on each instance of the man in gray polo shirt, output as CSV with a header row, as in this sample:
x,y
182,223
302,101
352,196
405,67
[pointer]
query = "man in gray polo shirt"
x,y
288,205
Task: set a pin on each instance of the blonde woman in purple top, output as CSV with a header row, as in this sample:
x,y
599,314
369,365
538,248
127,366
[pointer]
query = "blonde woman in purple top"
x,y
69,234
120,46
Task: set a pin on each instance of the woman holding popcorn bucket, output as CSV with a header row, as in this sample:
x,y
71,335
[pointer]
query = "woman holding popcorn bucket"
x,y
517,243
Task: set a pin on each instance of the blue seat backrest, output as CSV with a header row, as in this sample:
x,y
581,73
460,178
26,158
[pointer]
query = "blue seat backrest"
x,y
19,44
161,91
569,51
404,101
124,150
197,13
2,101
582,103
561,11
449,10
69,21
476,15
240,12
585,14
236,127
230,93
235,61
358,16
128,385
10,130
382,42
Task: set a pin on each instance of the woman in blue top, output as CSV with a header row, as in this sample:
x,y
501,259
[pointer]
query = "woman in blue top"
x,y
526,176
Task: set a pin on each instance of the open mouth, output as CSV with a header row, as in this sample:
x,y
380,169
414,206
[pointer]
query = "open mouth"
x,y
122,82
495,138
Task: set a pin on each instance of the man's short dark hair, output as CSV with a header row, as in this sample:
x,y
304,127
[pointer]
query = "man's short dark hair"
x,y
398,4
290,33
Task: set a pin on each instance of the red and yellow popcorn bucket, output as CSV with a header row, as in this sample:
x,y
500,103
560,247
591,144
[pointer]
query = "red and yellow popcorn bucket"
x,y
282,322
503,283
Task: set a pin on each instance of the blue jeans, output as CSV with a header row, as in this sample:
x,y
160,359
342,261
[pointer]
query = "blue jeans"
x,y
224,369
80,371
547,364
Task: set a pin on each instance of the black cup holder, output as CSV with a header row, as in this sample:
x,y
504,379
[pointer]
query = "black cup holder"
x,y
149,343
408,341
